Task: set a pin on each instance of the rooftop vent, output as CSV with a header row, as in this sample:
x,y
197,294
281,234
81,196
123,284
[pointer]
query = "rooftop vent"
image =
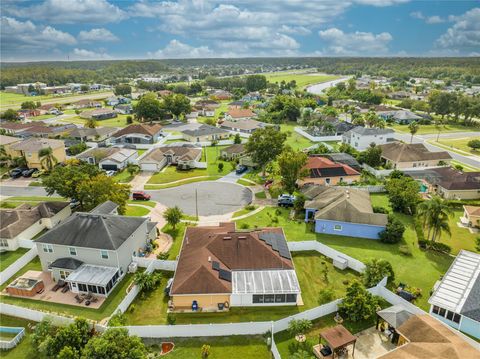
x,y
227,238
242,237
209,258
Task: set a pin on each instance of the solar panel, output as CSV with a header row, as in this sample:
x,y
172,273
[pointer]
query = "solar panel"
x,y
225,275
215,265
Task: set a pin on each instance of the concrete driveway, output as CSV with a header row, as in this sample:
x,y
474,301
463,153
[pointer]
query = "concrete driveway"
x,y
213,198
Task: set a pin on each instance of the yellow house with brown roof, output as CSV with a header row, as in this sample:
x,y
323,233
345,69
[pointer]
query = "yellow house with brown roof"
x,y
471,216
6,142
30,150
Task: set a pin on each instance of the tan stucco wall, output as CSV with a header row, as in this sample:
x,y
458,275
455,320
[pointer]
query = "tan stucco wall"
x,y
470,194
206,138
203,300
33,160
333,180
417,164
475,220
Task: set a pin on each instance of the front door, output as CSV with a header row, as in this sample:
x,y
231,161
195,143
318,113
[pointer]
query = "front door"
x,y
73,287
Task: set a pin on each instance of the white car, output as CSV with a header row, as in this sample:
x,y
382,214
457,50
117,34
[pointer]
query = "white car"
x,y
110,173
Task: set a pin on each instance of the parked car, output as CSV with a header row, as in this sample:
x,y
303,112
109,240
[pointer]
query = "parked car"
x,y
140,196
74,203
29,172
38,174
286,200
17,172
241,169
110,173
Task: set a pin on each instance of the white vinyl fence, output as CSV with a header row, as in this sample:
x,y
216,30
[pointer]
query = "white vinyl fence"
x,y
352,263
26,243
33,315
12,343
305,134
21,262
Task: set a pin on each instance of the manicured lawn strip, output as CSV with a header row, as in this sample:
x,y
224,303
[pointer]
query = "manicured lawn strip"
x,y
428,129
123,176
232,347
15,204
245,183
260,195
308,266
466,168
461,238
136,211
430,264
295,140
25,349
35,198
104,311
119,121
141,152
459,143
243,211
7,258
143,203
302,79
177,235
186,181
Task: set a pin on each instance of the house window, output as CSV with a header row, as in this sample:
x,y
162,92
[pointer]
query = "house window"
x,y
279,298
104,254
73,251
327,180
3,243
64,274
456,318
450,315
47,248
435,309
257,298
268,298
291,298
337,227
442,312
82,287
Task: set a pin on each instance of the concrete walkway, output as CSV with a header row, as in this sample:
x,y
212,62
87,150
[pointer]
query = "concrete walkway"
x,y
140,180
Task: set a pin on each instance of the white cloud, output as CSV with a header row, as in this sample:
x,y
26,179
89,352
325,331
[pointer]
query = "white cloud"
x,y
435,19
355,43
25,36
295,30
97,35
69,11
381,3
178,50
82,54
464,35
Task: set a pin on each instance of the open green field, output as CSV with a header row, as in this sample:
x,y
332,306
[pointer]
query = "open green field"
x,y
232,347
430,264
295,140
456,144
7,258
209,154
466,168
119,121
25,349
104,311
461,238
302,79
152,309
432,129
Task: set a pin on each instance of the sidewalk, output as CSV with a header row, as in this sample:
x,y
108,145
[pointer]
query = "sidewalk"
x,y
140,180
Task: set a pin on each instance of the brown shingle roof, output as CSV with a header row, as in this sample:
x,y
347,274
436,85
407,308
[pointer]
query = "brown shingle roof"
x,y
236,148
452,179
408,152
5,140
241,112
142,128
472,210
247,124
232,250
36,144
183,152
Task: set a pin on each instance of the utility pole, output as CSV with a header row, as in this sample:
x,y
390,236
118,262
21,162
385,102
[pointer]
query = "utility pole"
x,y
196,204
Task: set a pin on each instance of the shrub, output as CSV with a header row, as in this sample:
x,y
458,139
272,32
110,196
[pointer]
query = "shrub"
x,y
378,209
171,319
376,270
299,326
129,120
244,226
393,233
325,296
220,167
405,250
131,309
436,246
162,256
477,247
250,207
117,320
358,304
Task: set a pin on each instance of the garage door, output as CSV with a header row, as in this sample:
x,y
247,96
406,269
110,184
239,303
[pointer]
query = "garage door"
x,y
151,167
110,167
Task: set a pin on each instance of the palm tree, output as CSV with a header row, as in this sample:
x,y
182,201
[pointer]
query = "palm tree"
x,y
47,159
435,215
91,123
413,127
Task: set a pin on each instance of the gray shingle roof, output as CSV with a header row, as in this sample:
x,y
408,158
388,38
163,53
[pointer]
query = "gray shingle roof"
x,y
88,230
365,131
66,263
105,208
204,130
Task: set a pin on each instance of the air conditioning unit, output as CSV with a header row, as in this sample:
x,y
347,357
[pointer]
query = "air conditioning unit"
x,y
132,268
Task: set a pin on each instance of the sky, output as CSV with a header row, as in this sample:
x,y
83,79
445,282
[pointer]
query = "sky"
x,y
147,29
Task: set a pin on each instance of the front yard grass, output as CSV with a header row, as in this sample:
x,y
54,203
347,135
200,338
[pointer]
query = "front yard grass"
x,y
136,211
232,347
245,210
461,238
107,308
420,269
260,195
180,183
8,257
295,140
35,198
25,349
123,176
429,129
144,203
245,183
459,145
308,265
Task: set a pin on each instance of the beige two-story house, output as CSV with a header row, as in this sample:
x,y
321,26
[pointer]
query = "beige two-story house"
x,y
31,147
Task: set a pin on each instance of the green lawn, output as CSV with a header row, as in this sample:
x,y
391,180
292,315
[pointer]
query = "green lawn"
x,y
428,129
430,264
308,265
177,235
232,347
104,311
245,183
175,184
295,140
144,203
244,210
119,121
35,198
260,195
456,144
209,154
7,258
136,211
25,349
123,176
461,238
141,152
302,79
466,168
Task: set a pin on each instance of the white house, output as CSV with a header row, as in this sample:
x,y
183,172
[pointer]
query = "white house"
x,y
109,158
456,298
185,156
26,221
360,137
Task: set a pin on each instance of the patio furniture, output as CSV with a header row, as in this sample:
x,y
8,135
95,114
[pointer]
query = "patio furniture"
x,y
94,300
60,284
338,339
87,302
322,351
79,299
65,289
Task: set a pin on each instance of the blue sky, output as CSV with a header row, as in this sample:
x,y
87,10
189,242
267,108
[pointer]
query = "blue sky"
x,y
139,29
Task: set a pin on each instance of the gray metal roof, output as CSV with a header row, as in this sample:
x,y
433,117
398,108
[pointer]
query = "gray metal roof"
x,y
94,275
204,130
89,230
265,282
106,207
459,290
365,131
66,263
395,315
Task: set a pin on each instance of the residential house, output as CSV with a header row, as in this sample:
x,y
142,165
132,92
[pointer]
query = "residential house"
x,y
40,130
331,126
342,211
26,113
112,101
92,251
206,107
164,93
49,90
344,158
123,109
399,95
48,109
97,134
240,114
252,96
185,156
455,300
109,158
86,104
323,171
237,105
30,148
218,265
26,221
205,133
221,95
471,216
6,142
422,337
139,134
411,155
402,117
360,138
244,126
99,114
233,152
191,116
16,128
